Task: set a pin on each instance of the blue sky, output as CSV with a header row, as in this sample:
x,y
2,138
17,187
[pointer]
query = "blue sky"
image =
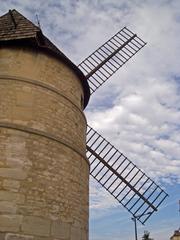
x,y
141,101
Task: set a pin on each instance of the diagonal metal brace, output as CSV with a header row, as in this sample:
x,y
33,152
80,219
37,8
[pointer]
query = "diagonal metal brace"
x,y
110,56
119,176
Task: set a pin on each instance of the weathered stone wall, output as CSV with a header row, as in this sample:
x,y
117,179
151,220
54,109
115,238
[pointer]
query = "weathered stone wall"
x,y
43,169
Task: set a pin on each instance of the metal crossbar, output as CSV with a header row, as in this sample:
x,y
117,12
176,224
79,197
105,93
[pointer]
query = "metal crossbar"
x,y
108,58
140,195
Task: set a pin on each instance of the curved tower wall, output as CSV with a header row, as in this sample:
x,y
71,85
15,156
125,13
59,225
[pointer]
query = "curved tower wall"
x,y
44,172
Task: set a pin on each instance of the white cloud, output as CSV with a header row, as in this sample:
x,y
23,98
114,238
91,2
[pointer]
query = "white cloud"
x,y
138,110
99,197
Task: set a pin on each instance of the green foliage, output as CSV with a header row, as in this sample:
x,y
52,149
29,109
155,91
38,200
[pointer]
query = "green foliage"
x,y
146,236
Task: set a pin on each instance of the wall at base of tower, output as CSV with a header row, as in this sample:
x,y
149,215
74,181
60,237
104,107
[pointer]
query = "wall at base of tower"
x,y
44,173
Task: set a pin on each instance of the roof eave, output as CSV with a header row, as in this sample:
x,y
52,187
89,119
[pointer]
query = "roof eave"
x,y
33,42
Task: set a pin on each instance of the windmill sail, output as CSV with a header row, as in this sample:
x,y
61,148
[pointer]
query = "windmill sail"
x,y
140,195
108,58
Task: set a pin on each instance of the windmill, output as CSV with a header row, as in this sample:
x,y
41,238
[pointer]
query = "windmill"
x,y
129,185
34,71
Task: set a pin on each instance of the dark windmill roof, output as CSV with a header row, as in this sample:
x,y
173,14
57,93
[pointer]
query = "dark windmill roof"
x,y
16,30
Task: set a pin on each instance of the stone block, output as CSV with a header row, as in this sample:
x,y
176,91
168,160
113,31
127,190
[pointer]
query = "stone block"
x,y
45,238
22,113
2,236
36,226
7,207
12,185
24,98
13,173
84,235
10,223
60,229
75,233
12,236
11,196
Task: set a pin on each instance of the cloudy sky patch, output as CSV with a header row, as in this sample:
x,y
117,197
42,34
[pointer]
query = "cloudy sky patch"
x,y
138,109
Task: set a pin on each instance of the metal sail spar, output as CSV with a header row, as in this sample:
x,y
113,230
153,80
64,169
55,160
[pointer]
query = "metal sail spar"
x,y
108,58
140,195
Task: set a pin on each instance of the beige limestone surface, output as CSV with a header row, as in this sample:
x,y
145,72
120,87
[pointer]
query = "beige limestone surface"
x,y
44,172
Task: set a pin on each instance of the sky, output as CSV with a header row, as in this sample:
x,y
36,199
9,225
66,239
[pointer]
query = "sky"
x,y
138,109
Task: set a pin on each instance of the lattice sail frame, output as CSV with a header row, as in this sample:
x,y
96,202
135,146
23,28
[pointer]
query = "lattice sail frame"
x,y
140,195
108,58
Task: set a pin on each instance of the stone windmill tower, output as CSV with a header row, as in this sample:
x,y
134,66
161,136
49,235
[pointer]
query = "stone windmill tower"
x,y
44,169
